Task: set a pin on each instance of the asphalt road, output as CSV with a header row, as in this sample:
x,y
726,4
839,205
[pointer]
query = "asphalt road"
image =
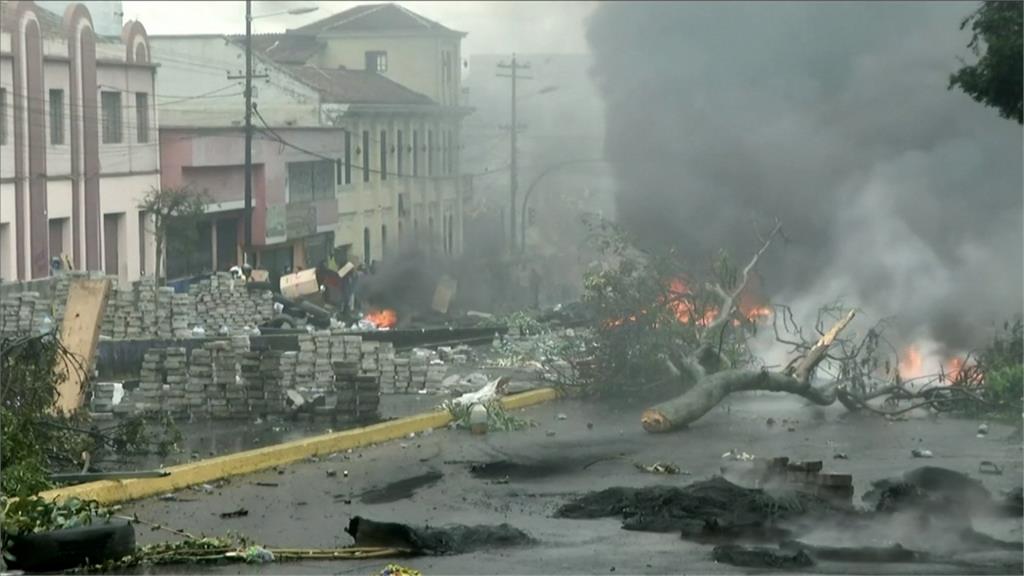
x,y
559,458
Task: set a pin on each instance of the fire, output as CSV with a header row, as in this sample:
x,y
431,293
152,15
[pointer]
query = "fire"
x,y
683,309
911,362
384,318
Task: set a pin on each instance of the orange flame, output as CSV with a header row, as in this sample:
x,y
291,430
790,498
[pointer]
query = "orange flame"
x,y
683,309
911,362
385,318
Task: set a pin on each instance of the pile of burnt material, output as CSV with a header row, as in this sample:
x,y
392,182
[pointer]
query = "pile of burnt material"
x,y
806,477
434,540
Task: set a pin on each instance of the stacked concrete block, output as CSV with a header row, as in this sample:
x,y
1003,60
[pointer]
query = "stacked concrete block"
x,y
273,388
386,366
149,395
322,374
175,378
224,304
287,369
164,312
200,380
9,312
120,308
27,311
419,364
368,365
403,375
305,366
356,395
102,401
250,385
225,378
182,315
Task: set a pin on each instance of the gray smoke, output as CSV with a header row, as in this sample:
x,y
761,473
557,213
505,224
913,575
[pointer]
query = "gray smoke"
x,y
897,194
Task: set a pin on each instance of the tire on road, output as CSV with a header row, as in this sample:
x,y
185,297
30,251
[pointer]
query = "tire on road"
x,y
103,540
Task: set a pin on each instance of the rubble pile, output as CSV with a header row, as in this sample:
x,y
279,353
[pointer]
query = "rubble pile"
x,y
224,304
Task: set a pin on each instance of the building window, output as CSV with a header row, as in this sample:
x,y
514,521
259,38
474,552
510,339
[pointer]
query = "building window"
x,y
377,61
56,117
446,66
383,154
3,116
401,152
366,246
142,116
348,157
415,153
430,153
309,181
111,105
383,240
366,155
143,231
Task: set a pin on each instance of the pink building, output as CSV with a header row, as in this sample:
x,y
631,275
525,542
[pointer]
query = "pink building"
x,y
78,143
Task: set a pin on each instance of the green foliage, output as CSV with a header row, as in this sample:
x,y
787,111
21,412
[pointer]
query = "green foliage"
x,y
35,442
174,212
639,301
31,515
522,323
1002,366
995,80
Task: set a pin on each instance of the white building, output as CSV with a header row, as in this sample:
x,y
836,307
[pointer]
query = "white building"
x,y
78,143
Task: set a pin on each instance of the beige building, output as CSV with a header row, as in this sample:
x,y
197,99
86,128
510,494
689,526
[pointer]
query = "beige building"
x,y
387,136
78,143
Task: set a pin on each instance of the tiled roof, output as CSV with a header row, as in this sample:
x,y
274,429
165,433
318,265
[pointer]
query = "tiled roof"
x,y
356,86
284,48
375,18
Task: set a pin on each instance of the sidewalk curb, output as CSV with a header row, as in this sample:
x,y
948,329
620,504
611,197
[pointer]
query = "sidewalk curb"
x,y
184,475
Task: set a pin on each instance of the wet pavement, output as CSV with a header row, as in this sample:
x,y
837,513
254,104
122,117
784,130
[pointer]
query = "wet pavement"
x,y
437,478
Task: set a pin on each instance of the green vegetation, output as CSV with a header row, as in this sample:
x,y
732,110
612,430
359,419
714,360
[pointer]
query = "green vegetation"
x,y
995,80
1002,364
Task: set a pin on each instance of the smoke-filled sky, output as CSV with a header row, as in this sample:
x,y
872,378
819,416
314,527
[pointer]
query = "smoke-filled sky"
x,y
895,193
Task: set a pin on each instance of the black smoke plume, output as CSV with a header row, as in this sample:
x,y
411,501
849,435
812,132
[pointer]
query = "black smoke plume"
x,y
899,195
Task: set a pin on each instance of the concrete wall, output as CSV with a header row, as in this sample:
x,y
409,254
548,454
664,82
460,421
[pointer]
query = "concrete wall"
x,y
122,195
414,61
193,74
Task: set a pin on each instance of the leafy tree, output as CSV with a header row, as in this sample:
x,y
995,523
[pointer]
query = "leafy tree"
x,y
995,79
177,209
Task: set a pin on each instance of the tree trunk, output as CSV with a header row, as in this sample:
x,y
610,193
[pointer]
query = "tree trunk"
x,y
700,399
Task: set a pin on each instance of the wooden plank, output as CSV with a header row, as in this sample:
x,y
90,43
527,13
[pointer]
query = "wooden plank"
x,y
80,332
444,293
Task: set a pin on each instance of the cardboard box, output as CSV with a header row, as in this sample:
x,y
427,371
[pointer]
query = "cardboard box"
x,y
259,275
300,284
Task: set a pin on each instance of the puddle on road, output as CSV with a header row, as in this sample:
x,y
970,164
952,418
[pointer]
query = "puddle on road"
x,y
399,490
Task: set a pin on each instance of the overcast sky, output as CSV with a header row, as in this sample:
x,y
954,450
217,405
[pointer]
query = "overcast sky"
x,y
493,27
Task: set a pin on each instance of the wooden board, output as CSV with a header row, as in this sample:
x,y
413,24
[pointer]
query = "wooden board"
x,y
300,284
80,332
444,293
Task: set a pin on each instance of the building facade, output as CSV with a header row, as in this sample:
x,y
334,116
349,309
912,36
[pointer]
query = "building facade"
x,y
344,157
78,144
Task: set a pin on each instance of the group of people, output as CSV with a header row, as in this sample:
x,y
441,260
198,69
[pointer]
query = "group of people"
x,y
341,283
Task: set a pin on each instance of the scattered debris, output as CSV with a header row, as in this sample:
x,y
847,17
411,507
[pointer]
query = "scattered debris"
x,y
267,484
454,539
398,570
921,453
590,425
332,473
235,513
929,488
737,456
982,430
561,416
760,557
840,456
549,433
491,391
344,473
770,422
400,489
989,467
500,481
659,468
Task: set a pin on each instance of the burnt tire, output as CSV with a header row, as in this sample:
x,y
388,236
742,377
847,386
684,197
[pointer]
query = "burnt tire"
x,y
102,541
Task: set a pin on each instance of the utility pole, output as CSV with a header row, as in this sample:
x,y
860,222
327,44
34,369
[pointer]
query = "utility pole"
x,y
247,211
514,67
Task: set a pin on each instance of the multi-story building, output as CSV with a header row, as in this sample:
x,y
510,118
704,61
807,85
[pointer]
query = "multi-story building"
x,y
361,155
78,143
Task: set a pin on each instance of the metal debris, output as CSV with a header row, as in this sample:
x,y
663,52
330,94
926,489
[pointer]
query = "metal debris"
x,y
659,468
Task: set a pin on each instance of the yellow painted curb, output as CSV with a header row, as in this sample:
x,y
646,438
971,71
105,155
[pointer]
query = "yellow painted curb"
x,y
184,475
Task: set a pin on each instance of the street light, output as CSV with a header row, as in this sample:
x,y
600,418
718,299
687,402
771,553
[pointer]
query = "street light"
x,y
248,115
